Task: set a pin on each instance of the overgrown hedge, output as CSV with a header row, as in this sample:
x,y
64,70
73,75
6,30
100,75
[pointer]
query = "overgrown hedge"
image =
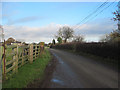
x,y
105,50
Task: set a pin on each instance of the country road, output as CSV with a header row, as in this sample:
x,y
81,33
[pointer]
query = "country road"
x,y
75,71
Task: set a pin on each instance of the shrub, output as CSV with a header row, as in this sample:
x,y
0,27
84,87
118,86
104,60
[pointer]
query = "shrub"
x,y
102,49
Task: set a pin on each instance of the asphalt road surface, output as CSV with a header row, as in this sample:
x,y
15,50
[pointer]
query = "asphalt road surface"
x,y
75,71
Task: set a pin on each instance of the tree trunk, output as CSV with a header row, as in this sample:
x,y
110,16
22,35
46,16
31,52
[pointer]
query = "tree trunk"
x,y
65,40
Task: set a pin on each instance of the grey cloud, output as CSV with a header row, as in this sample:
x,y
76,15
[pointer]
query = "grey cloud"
x,y
25,19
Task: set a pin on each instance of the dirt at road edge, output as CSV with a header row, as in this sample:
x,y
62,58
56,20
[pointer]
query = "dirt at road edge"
x,y
37,83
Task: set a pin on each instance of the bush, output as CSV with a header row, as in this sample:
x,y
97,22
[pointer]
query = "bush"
x,y
102,49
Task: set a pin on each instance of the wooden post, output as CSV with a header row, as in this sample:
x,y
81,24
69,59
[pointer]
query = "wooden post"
x,y
41,47
31,53
39,50
22,57
28,53
35,52
25,51
4,61
14,64
17,59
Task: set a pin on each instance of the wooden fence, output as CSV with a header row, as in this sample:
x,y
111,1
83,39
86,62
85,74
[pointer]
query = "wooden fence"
x,y
18,55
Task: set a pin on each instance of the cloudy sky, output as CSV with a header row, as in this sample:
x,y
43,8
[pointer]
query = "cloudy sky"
x,y
39,21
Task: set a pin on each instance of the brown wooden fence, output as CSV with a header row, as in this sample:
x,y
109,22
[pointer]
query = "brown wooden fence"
x,y
16,56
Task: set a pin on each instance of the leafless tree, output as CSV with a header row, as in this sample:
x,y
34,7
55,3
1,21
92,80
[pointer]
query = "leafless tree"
x,y
65,33
112,37
117,15
78,38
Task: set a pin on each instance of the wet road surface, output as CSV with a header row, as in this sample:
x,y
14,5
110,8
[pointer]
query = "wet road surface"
x,y
75,71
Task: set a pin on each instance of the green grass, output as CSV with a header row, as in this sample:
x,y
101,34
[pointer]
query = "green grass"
x,y
29,72
0,52
9,51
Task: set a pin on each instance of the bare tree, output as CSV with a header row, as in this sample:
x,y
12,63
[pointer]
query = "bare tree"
x,y
59,33
78,38
112,37
117,15
65,33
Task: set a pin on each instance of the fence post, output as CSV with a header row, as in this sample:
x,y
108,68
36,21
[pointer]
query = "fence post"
x,y
4,61
17,59
39,50
41,47
14,64
14,58
31,53
22,57
35,51
25,54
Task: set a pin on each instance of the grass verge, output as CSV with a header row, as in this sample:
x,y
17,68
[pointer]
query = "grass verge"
x,y
29,72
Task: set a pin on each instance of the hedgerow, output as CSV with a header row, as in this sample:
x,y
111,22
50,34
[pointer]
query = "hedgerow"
x,y
104,50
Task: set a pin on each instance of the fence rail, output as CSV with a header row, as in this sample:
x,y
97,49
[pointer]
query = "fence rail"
x,y
18,56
